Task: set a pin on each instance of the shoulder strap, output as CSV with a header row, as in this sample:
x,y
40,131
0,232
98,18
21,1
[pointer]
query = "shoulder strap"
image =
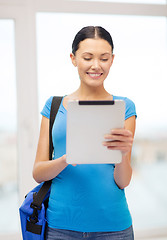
x,y
54,109
40,195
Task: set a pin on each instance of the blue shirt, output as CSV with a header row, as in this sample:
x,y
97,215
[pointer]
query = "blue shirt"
x,y
85,198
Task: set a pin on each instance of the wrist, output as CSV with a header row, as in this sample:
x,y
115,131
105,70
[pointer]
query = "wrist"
x,y
125,163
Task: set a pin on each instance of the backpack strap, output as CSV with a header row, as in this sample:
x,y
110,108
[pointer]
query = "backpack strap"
x,y
40,195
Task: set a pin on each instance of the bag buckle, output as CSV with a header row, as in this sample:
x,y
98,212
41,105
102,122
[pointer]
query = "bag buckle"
x,y
33,219
35,207
34,216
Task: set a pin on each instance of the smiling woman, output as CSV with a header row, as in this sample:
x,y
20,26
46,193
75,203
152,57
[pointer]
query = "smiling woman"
x,y
135,73
95,212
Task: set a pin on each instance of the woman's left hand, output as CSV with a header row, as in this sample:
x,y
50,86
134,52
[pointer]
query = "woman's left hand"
x,y
119,139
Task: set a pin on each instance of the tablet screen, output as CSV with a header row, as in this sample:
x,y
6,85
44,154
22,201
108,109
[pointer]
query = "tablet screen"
x,y
87,123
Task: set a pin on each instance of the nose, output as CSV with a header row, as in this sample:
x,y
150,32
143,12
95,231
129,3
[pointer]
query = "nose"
x,y
95,64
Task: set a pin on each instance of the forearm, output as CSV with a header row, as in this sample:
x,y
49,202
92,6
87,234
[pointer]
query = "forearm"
x,y
47,170
123,172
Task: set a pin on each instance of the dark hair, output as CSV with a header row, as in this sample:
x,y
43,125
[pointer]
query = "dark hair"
x,y
91,32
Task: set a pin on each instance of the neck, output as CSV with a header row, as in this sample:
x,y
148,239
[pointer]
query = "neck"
x,y
91,93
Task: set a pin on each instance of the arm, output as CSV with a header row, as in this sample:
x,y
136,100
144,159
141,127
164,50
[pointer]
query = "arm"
x,y
123,141
44,169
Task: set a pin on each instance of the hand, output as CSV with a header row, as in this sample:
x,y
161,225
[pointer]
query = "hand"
x,y
119,139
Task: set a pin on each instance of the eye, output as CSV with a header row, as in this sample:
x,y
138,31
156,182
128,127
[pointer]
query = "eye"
x,y
87,59
104,59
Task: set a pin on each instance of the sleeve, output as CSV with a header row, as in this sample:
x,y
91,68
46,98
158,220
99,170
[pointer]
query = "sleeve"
x,y
46,109
130,109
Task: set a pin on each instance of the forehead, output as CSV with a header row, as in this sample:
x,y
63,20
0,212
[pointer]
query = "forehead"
x,y
98,45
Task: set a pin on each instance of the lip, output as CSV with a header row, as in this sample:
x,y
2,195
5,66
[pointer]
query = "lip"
x,y
94,75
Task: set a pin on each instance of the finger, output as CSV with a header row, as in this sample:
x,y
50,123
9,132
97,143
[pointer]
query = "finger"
x,y
118,144
117,148
122,149
121,131
74,165
122,138
113,143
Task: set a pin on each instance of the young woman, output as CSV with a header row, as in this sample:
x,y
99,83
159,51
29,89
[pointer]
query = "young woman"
x,y
87,201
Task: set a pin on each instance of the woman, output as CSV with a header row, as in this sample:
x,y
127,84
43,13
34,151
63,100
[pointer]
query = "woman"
x,y
87,201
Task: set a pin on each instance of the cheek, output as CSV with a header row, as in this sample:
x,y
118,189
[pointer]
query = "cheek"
x,y
83,67
107,67
81,70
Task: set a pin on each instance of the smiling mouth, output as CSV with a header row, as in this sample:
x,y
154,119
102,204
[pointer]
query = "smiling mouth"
x,y
94,75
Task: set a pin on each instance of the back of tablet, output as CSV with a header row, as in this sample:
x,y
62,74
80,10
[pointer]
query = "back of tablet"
x,y
87,123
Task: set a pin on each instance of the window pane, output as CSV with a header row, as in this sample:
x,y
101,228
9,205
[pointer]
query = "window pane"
x,y
8,138
138,72
131,1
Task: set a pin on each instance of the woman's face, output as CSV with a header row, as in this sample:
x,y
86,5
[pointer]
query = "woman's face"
x,y
93,60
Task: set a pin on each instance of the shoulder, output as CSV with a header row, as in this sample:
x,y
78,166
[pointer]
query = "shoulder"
x,y
130,106
46,109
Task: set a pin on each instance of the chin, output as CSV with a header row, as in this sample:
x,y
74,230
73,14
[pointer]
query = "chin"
x,y
95,84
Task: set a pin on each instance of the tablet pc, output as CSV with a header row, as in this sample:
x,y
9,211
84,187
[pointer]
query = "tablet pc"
x,y
87,123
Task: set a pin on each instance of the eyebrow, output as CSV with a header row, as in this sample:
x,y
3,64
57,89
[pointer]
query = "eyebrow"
x,y
101,54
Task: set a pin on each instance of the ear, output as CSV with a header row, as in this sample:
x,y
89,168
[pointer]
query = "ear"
x,y
113,56
73,59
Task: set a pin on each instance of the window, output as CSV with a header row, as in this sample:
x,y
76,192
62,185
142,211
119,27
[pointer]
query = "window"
x,y
8,137
139,72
